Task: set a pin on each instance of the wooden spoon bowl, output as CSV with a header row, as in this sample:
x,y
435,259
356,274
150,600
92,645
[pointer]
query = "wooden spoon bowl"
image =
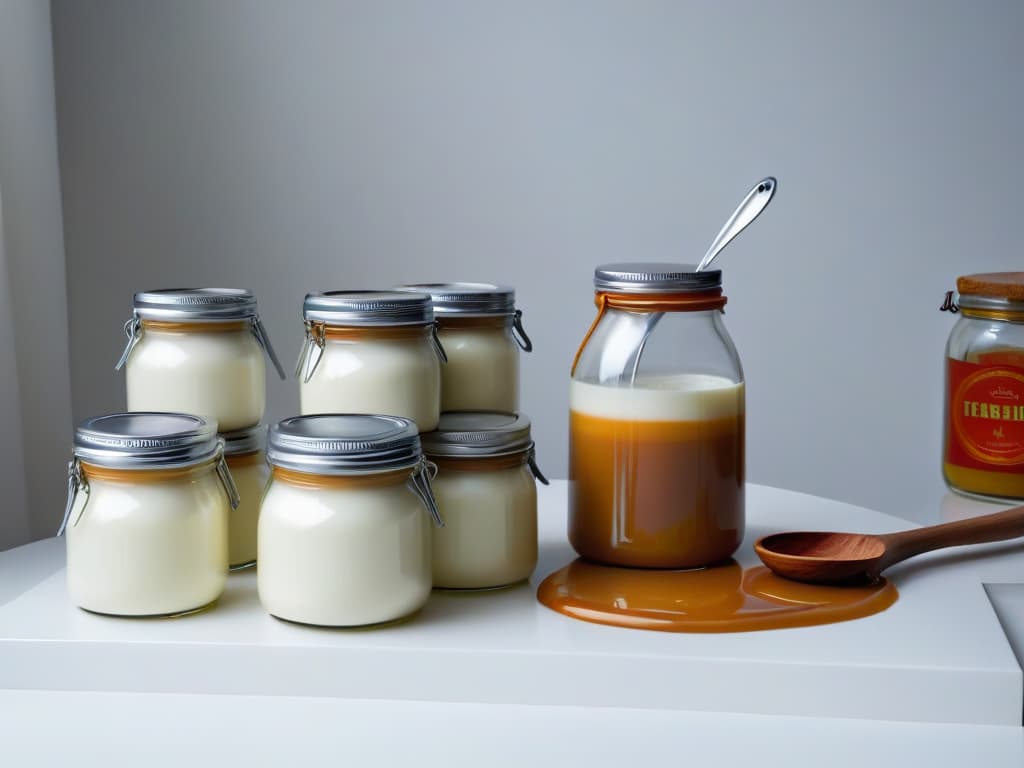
x,y
820,557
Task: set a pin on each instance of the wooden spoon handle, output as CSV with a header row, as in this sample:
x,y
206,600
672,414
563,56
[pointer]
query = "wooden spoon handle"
x,y
1000,526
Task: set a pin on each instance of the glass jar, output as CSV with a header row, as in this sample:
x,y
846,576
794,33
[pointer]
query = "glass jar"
x,y
656,437
485,489
343,540
482,332
200,351
984,425
243,452
373,352
149,496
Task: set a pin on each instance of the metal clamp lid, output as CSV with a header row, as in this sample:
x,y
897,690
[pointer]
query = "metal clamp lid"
x,y
467,299
360,309
655,277
146,440
344,444
197,305
141,441
243,441
474,300
368,308
419,484
482,434
353,444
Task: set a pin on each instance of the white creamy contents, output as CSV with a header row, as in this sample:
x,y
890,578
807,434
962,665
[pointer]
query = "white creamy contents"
x,y
482,373
490,533
149,548
676,397
396,377
215,374
343,556
250,474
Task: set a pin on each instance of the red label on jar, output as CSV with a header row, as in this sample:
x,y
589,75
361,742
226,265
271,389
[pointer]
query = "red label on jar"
x,y
986,416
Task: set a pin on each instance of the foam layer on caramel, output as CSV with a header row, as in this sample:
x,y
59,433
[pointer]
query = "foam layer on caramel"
x,y
678,397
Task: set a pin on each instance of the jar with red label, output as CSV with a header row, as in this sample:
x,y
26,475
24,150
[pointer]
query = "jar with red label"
x,y
984,436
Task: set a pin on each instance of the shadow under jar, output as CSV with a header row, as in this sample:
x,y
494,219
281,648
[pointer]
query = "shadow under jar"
x,y
200,351
371,352
482,333
656,437
146,522
343,536
486,491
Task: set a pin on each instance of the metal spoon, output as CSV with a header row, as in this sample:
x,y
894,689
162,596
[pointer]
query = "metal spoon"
x,y
755,202
856,558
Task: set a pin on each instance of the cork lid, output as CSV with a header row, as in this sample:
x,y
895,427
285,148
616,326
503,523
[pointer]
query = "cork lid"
x,y
1000,285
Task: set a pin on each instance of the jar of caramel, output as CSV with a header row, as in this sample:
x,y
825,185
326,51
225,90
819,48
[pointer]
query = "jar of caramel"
x,y
984,426
656,439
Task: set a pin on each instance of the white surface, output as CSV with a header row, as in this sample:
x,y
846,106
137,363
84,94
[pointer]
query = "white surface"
x,y
939,654
108,729
325,145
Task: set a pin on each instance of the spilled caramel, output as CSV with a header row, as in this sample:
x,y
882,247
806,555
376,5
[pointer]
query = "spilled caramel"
x,y
723,598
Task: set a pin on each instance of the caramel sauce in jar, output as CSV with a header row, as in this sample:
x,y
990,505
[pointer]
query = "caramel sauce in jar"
x,y
657,471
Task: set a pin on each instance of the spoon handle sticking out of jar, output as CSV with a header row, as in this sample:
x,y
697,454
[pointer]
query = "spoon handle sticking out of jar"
x,y
755,202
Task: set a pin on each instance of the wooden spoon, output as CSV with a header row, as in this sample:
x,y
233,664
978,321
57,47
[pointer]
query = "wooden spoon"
x,y
856,558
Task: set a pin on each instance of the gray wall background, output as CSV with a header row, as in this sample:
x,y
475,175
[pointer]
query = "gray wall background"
x,y
295,146
35,388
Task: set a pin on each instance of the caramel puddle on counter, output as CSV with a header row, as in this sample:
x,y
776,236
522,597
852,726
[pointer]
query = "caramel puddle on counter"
x,y
723,598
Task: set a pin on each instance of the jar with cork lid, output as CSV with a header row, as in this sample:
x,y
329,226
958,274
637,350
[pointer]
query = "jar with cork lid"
x,y
983,453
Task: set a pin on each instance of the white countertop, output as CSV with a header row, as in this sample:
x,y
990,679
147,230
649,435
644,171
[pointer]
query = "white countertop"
x,y
937,665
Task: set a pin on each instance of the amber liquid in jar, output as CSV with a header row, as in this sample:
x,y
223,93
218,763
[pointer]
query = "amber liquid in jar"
x,y
657,471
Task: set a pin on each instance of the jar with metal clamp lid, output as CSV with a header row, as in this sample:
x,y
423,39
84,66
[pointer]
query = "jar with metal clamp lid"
x,y
371,352
245,457
343,537
482,333
200,351
146,522
486,491
984,425
656,439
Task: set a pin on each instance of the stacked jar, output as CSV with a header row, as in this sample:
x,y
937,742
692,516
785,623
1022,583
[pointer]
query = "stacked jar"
x,y
482,446
150,529
342,538
371,352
